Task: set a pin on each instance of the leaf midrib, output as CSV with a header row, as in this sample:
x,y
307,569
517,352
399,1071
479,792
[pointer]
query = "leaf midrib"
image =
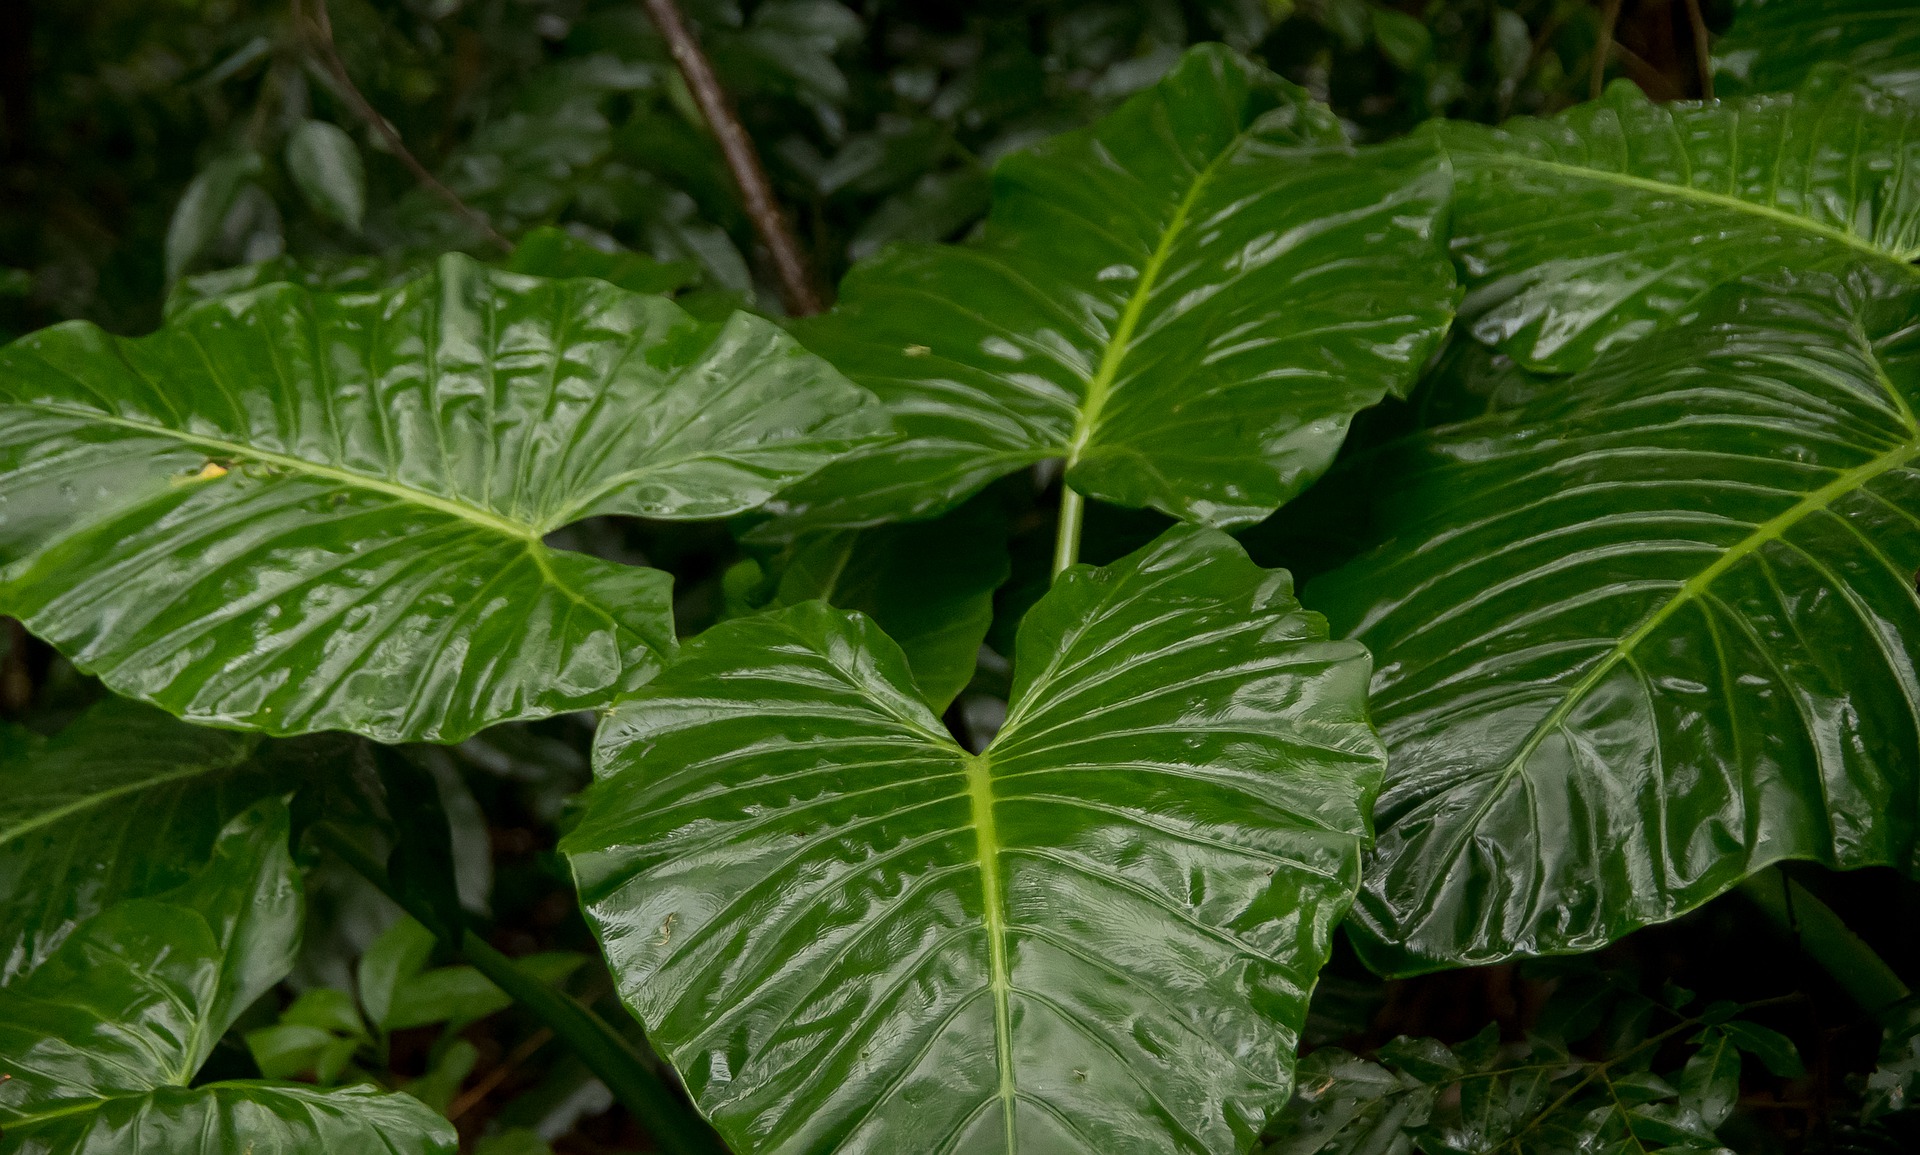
x,y
242,452
101,798
1100,385
1707,196
979,775
1771,530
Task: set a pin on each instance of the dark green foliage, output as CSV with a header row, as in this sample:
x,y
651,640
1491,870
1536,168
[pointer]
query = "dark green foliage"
x,y
956,783
1608,1070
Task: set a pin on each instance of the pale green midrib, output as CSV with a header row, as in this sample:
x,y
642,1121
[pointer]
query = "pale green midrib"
x,y
480,517
999,976
63,1112
1706,196
9,833
1101,383
1768,531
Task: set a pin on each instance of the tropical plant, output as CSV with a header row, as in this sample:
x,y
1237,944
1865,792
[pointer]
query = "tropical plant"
x,y
959,781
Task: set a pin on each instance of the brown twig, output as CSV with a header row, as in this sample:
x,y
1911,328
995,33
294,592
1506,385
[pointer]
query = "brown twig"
x,y
498,1075
797,290
1656,84
317,30
16,676
1602,47
1702,56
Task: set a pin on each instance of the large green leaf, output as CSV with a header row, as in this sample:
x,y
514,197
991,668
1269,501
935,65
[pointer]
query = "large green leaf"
x,y
1776,44
1591,229
139,994
124,802
1650,632
1099,935
252,1118
1187,302
98,1045
299,511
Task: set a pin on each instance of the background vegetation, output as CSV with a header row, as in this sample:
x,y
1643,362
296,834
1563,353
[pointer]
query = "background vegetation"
x,y
158,151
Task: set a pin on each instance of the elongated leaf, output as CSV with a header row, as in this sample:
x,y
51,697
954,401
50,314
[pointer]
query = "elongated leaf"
x,y
849,934
1646,634
225,1118
124,802
203,208
928,584
325,164
1188,302
1776,44
1591,229
138,996
298,511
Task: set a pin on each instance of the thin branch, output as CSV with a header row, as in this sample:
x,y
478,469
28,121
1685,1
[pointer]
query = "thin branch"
x,y
797,289
1702,56
1609,16
317,30
498,1075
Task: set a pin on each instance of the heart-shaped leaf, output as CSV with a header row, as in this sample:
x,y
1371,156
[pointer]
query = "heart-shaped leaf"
x,y
298,511
124,802
1647,633
1099,935
1188,302
1774,45
1591,229
98,1046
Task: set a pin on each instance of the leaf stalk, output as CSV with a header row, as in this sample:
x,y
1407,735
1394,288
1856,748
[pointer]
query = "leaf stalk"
x,y
1854,966
1066,542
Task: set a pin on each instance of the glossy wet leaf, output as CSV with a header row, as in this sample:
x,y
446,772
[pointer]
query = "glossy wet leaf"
x,y
298,511
927,584
1645,634
124,802
1710,1082
257,1117
139,994
1774,45
849,934
1188,302
1592,229
99,1044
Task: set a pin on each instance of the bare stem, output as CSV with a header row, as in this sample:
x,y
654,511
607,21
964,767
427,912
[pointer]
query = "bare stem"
x,y
797,290
1603,47
317,30
1702,56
